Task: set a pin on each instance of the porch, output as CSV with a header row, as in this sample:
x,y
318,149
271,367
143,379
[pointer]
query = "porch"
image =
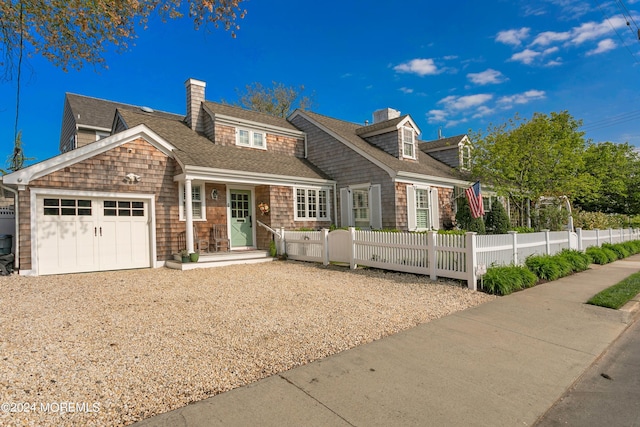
x,y
221,259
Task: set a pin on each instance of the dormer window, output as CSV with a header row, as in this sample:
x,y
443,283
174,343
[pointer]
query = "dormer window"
x,y
465,157
251,138
408,143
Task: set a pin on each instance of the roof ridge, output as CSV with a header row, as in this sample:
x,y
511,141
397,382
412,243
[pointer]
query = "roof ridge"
x,y
330,117
120,103
245,109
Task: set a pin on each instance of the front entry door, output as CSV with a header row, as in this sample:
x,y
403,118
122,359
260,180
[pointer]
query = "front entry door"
x,y
241,219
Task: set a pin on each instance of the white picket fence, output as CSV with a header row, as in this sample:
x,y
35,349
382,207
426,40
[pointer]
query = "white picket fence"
x,y
461,257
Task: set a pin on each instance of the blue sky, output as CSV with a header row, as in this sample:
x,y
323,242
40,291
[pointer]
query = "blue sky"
x,y
451,65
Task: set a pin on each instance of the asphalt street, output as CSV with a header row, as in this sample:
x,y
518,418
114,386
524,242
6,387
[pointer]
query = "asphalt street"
x,y
608,393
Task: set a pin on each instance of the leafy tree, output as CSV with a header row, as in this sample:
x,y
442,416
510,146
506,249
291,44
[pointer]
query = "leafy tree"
x,y
278,100
497,220
525,159
464,219
72,33
615,169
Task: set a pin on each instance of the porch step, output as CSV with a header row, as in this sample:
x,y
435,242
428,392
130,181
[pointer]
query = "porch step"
x,y
221,259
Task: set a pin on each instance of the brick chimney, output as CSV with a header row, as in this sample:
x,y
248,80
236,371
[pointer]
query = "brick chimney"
x,y
195,97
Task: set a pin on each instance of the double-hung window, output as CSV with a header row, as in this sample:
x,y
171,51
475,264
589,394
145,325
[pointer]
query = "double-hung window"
x,y
251,138
312,204
423,211
361,207
408,143
197,201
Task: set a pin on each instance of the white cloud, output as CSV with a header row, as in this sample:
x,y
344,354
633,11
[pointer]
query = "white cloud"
x,y
419,66
482,111
489,76
436,116
554,62
452,123
450,57
521,98
406,90
603,46
526,56
548,37
593,30
513,37
457,103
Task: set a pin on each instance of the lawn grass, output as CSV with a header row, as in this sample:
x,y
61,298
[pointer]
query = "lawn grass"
x,y
619,294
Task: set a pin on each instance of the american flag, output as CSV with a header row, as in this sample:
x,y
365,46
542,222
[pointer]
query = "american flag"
x,y
475,200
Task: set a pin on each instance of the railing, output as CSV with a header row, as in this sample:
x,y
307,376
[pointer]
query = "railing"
x,y
438,255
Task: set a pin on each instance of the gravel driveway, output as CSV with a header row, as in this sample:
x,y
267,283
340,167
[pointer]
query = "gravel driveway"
x,y
116,347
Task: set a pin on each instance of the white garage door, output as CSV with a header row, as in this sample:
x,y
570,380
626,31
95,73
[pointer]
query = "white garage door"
x,y
85,234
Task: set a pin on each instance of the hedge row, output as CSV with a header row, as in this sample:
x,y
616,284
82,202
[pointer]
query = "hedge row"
x,y
505,280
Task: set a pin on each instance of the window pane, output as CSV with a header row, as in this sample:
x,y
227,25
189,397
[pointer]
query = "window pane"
x,y
109,203
258,140
243,137
84,212
124,204
84,203
137,212
52,202
137,205
300,203
311,197
51,211
109,212
124,212
69,211
68,202
322,204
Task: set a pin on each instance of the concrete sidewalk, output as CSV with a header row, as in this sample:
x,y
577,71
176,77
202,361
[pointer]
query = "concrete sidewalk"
x,y
503,363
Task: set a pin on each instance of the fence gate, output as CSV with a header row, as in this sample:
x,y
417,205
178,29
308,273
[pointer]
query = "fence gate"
x,y
339,246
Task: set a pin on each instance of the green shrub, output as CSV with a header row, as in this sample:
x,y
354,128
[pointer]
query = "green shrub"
x,y
620,250
632,246
497,220
464,219
457,232
597,255
505,280
523,229
611,255
579,261
273,252
545,267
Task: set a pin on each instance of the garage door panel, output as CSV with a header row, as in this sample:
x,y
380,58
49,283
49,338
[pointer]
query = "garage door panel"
x,y
91,235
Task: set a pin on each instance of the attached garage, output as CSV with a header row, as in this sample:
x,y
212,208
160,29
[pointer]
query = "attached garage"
x,y
77,233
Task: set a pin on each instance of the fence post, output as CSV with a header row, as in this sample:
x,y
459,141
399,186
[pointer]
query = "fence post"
x,y
579,233
621,236
472,261
514,242
547,238
352,248
325,246
597,237
611,236
431,254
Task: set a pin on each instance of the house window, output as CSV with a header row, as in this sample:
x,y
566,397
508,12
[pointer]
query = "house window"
x,y
251,138
423,215
465,157
197,202
312,204
361,208
408,146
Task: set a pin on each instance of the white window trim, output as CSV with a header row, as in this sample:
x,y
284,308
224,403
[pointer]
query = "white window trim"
x,y
465,154
306,203
412,208
202,195
413,142
102,134
251,143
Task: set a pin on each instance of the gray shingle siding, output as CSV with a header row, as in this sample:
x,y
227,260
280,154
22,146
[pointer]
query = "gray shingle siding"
x,y
347,167
389,142
450,157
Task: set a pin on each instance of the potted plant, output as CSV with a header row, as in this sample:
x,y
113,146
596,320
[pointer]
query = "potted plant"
x,y
184,254
194,256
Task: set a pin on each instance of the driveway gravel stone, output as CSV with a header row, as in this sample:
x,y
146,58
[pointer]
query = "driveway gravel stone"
x,y
116,347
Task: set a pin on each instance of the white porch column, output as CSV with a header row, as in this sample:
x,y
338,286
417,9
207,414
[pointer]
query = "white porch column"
x,y
188,215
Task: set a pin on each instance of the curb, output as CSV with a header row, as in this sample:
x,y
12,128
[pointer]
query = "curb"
x,y
630,310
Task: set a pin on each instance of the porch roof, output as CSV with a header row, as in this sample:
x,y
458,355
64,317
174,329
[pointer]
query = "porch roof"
x,y
193,149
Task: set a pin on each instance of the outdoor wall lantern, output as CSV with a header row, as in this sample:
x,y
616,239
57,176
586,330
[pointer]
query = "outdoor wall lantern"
x,y
214,194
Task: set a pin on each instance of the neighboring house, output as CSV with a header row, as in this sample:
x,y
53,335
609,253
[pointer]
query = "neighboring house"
x,y
454,151
121,201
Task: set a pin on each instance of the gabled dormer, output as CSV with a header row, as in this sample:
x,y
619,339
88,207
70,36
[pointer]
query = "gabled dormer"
x,y
393,133
454,151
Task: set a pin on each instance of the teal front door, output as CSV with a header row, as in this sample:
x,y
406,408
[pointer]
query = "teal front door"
x,y
241,219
